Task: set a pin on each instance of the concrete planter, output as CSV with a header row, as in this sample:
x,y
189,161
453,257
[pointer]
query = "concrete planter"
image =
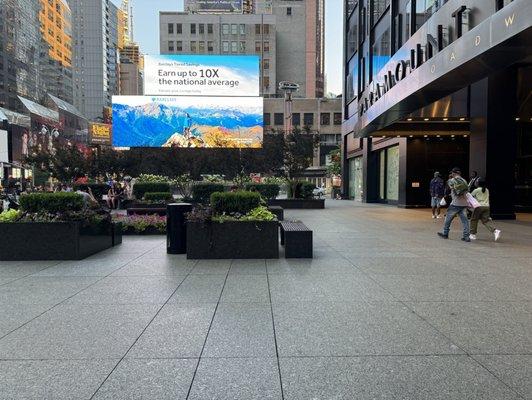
x,y
53,240
232,240
298,204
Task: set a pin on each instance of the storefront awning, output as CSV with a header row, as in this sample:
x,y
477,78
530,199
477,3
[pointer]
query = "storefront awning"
x,y
64,106
37,109
14,118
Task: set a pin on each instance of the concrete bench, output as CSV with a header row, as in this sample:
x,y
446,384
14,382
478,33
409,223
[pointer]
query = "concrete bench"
x,y
296,239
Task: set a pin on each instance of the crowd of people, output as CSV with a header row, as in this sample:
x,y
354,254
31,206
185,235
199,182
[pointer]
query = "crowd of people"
x,y
470,201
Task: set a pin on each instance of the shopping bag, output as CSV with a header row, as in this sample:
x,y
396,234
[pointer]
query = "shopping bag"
x,y
471,201
443,203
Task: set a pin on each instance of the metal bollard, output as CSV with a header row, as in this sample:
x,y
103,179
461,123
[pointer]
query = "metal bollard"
x,y
176,230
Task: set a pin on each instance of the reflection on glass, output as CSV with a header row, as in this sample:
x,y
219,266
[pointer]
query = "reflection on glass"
x,y
392,173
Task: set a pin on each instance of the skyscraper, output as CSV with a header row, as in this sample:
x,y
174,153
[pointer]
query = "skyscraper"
x,y
95,55
56,53
20,40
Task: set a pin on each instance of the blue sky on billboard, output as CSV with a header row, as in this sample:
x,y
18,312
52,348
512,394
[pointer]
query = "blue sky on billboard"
x,y
146,31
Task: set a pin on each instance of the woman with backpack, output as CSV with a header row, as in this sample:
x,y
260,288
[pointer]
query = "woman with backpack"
x,y
482,213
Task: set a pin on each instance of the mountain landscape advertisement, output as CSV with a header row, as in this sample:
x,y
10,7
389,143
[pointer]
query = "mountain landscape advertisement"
x,y
147,121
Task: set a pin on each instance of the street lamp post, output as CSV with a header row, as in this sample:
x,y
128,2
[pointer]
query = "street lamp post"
x,y
288,88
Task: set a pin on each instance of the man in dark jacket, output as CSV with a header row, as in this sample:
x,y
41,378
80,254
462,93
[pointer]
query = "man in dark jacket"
x,y
437,191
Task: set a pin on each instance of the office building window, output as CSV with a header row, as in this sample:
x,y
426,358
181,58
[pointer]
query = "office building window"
x,y
179,45
278,119
288,10
171,45
242,29
380,51
266,29
242,47
170,29
179,29
337,119
201,46
257,29
267,119
193,47
225,47
308,119
234,47
210,46
266,82
192,29
296,119
257,47
266,47
352,35
210,29
234,29
325,119
201,28
225,29
266,63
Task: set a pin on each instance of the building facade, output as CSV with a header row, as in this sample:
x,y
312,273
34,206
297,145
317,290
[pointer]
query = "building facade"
x,y
20,45
183,33
432,85
95,60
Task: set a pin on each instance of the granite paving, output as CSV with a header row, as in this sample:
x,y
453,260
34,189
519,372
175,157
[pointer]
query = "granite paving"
x,y
385,310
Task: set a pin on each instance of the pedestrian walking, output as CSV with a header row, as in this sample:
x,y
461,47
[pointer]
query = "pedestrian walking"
x,y
437,191
482,213
458,206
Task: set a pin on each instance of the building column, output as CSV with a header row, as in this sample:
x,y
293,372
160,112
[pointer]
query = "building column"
x,y
493,139
370,171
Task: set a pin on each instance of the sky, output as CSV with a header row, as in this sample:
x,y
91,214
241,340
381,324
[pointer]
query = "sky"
x,y
146,33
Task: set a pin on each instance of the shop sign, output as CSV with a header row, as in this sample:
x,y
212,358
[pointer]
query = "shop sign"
x,y
100,133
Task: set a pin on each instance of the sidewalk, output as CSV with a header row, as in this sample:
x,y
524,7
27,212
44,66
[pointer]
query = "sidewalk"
x,y
385,310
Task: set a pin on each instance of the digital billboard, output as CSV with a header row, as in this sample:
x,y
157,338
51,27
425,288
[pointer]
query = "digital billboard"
x,y
187,122
201,75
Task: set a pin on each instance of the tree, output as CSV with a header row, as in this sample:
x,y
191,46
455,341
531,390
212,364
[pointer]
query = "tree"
x,y
335,167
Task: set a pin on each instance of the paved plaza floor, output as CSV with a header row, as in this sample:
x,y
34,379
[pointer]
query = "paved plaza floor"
x,y
385,310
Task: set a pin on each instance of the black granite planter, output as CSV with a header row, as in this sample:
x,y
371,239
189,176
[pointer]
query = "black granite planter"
x,y
52,240
298,204
232,240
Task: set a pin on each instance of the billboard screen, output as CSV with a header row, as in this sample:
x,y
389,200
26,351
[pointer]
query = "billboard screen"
x,y
214,6
202,122
201,75
100,133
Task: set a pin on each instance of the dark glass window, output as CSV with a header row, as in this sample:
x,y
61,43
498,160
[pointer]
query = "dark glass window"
x,y
352,35
325,119
288,10
379,7
267,119
278,119
193,29
308,119
179,28
209,28
337,120
201,29
352,79
170,29
296,119
380,51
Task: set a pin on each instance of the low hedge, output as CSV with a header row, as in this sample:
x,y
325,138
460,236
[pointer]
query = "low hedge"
x,y
304,190
234,202
158,196
51,202
139,189
98,189
266,190
201,192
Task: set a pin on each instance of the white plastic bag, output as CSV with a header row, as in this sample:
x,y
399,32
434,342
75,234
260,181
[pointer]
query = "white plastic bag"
x,y
443,203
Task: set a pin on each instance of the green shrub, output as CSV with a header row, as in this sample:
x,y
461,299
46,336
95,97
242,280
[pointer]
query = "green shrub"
x,y
304,190
139,189
150,178
201,192
9,215
51,202
98,189
234,202
160,197
266,190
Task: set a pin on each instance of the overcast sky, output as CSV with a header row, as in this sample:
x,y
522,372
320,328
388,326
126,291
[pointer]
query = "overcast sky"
x,y
146,31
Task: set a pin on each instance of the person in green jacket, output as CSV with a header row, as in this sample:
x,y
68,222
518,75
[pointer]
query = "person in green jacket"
x,y
482,213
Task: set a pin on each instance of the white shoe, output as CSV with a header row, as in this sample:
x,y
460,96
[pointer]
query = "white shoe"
x,y
433,217
497,234
472,237
439,216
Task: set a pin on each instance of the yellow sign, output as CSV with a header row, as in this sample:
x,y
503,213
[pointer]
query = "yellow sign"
x,y
100,133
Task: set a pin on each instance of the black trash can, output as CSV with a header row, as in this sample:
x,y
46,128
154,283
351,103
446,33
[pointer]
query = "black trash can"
x,y
176,230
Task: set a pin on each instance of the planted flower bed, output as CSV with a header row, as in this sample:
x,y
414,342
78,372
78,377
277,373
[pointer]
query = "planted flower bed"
x,y
141,224
54,226
236,225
